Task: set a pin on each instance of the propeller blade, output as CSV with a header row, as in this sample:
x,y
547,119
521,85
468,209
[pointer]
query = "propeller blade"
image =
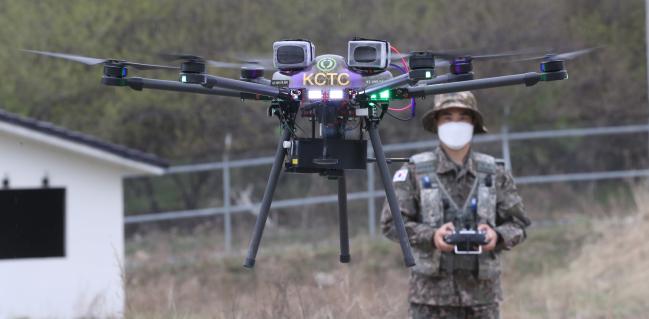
x,y
234,65
180,56
94,61
143,66
224,65
561,56
71,57
574,54
450,55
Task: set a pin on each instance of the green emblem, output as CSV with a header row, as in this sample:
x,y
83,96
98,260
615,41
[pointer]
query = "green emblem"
x,y
326,64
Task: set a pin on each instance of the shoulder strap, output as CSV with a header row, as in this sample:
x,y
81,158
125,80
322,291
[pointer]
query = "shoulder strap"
x,y
424,162
485,164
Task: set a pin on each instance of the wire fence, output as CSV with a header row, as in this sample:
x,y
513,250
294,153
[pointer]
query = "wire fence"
x,y
371,194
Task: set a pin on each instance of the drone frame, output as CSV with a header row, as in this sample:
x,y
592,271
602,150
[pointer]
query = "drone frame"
x,y
285,101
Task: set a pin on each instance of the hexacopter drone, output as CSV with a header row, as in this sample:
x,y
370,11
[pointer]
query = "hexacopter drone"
x,y
341,99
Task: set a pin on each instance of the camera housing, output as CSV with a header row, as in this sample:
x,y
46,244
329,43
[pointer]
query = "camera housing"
x,y
293,54
368,54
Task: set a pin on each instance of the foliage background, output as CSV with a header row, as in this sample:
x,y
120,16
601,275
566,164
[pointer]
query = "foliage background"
x,y
605,88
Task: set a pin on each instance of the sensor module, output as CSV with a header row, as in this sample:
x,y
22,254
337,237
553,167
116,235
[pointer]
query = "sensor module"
x,y
368,54
293,54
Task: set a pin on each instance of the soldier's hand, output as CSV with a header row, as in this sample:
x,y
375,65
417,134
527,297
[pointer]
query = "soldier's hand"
x,y
491,236
440,233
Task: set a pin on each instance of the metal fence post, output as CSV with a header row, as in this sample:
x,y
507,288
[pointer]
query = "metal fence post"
x,y
371,201
504,134
227,222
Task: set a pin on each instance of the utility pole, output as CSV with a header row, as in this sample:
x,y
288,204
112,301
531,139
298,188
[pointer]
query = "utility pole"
x,y
226,193
646,31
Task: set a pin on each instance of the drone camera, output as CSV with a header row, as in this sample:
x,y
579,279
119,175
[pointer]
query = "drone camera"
x,y
422,65
368,54
293,54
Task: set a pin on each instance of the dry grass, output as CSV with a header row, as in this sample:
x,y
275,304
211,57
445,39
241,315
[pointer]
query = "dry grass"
x,y
584,269
608,278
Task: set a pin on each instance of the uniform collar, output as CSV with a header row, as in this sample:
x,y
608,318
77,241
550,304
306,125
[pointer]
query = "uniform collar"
x,y
445,164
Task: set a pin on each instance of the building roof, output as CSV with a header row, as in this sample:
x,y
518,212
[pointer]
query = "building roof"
x,y
52,130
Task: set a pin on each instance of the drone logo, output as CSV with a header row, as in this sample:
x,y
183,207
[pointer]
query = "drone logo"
x,y
326,64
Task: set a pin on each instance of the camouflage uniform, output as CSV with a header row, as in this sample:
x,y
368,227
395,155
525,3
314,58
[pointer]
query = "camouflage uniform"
x,y
444,284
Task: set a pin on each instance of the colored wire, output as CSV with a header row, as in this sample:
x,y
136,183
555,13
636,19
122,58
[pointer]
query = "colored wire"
x,y
398,118
412,100
403,61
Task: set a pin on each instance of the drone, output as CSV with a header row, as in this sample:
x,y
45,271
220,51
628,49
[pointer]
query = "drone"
x,y
341,99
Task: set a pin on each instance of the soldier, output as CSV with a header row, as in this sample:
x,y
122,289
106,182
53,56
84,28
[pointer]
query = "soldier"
x,y
436,188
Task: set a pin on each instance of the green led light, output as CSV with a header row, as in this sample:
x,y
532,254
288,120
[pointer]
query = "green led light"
x,y
373,97
384,95
428,75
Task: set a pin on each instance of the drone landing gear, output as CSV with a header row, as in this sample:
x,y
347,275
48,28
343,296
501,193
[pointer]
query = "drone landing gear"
x,y
390,194
266,201
342,219
342,202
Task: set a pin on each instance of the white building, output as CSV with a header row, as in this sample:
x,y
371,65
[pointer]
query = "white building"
x,y
61,220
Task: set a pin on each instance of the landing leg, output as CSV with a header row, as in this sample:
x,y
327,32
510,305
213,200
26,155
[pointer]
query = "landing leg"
x,y
342,216
390,194
266,201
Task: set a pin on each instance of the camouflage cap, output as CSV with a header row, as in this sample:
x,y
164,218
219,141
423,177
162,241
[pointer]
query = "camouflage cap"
x,y
464,100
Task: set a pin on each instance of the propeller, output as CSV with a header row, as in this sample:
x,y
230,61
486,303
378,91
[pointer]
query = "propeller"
x,y
243,63
446,57
560,56
96,61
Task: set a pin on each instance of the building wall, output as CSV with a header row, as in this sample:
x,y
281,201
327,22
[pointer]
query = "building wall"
x,y
88,280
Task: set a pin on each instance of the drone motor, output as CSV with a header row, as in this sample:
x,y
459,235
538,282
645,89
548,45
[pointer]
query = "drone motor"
x,y
193,71
252,72
422,65
114,74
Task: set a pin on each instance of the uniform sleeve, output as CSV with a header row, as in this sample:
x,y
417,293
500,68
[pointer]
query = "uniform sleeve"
x,y
511,219
419,234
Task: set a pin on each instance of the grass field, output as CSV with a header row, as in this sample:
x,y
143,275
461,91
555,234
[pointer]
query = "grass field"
x,y
579,269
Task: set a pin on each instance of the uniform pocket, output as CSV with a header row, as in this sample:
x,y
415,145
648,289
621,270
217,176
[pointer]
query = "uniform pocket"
x,y
487,205
431,206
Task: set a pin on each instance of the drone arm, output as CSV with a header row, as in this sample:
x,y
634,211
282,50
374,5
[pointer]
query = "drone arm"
x,y
447,78
248,87
528,79
138,84
395,82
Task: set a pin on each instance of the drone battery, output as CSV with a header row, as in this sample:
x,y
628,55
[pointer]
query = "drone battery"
x,y
368,54
306,155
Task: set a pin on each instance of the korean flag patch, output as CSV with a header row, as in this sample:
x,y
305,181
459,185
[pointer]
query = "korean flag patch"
x,y
400,175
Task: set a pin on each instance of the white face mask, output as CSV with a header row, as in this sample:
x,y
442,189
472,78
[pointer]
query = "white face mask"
x,y
455,135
